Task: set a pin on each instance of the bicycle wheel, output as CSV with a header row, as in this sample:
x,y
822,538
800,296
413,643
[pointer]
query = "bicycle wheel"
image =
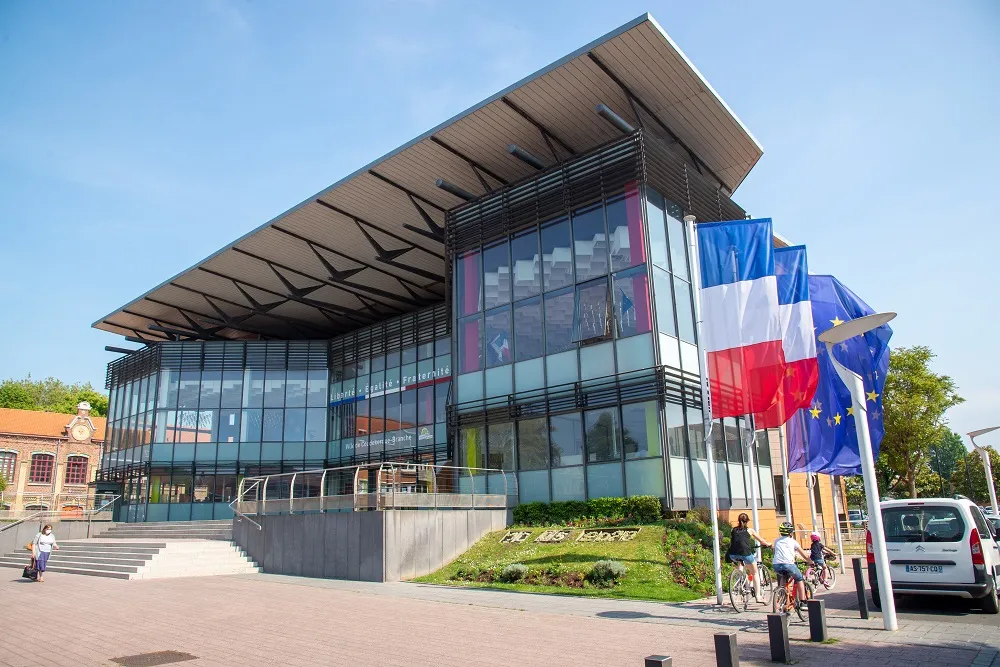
x,y
801,609
739,590
829,577
766,584
779,601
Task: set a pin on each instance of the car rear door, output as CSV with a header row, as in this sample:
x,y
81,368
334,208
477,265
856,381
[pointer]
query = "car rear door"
x,y
928,543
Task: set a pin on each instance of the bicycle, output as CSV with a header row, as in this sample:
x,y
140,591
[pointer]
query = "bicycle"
x,y
741,586
783,601
825,576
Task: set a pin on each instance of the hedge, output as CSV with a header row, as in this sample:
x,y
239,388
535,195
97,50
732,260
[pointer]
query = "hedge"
x,y
637,509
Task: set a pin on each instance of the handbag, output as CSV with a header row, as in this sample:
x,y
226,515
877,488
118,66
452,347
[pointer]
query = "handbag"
x,y
30,546
30,571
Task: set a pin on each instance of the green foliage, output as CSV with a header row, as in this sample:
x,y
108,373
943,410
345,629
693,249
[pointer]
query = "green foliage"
x,y
606,573
637,509
51,395
513,573
976,478
690,564
856,492
915,400
3,483
945,455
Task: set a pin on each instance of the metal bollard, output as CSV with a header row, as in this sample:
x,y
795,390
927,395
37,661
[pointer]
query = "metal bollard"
x,y
777,634
817,620
726,654
658,661
859,584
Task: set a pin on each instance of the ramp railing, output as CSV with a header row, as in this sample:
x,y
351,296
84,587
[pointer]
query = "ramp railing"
x,y
376,486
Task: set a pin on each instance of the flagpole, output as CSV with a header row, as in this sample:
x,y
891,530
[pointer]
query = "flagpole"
x,y
706,404
751,431
811,486
835,488
784,474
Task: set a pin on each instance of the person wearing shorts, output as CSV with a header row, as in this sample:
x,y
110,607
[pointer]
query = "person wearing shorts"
x,y
785,551
741,547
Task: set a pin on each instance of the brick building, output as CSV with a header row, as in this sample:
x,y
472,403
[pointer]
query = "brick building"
x,y
49,458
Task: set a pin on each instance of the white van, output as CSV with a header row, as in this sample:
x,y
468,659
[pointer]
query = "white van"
x,y
939,546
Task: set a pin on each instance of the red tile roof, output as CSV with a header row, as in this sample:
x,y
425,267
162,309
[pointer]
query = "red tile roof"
x,y
45,424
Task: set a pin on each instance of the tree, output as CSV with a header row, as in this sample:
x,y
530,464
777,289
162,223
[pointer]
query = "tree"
x,y
945,455
855,487
3,483
914,402
976,476
51,395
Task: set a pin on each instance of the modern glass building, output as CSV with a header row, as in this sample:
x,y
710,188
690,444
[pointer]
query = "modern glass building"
x,y
510,290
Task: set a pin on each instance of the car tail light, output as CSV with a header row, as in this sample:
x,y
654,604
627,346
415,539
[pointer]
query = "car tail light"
x,y
976,545
870,548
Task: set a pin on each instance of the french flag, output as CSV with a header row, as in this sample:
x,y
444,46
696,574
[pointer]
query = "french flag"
x,y
798,339
741,322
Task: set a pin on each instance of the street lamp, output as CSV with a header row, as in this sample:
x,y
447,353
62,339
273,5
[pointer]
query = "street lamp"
x,y
987,468
831,337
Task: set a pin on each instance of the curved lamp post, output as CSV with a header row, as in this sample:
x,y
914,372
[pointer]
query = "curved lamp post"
x,y
987,468
831,337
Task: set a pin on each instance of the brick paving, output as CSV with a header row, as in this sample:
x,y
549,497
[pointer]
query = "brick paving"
x,y
273,620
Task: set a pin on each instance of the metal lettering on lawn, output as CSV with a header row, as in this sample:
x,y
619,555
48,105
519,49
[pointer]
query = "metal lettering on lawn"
x,y
515,537
608,535
553,536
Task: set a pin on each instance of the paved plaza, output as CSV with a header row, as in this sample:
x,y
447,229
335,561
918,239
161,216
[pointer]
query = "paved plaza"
x,y
276,620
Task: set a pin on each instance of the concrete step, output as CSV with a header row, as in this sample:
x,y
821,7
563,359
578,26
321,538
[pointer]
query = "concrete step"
x,y
53,564
206,522
84,558
179,536
75,570
135,546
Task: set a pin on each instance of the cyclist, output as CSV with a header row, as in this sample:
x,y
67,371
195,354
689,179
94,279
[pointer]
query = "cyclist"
x,y
785,550
741,547
818,552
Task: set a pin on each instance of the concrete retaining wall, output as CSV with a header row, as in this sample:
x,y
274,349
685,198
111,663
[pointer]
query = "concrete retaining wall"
x,y
14,539
364,546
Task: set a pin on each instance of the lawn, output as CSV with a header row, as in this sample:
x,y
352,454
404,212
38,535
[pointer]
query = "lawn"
x,y
647,577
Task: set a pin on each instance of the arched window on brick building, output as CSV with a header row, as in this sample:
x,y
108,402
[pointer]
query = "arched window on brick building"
x,y
41,469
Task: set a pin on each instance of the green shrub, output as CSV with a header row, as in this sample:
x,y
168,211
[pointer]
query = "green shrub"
x,y
532,514
567,510
606,573
691,565
513,573
611,507
644,509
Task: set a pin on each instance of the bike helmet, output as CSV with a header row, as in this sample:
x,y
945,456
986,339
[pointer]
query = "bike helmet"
x,y
786,528
814,537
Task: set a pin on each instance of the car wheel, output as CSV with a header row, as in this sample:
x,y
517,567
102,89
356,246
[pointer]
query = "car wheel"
x,y
990,603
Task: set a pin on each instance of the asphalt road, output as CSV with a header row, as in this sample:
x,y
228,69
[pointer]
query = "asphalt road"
x,y
843,601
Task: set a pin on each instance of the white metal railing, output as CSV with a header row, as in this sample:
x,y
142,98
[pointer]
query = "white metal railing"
x,y
375,486
240,515
86,514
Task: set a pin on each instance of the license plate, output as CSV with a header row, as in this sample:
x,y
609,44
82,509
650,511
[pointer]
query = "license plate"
x,y
925,569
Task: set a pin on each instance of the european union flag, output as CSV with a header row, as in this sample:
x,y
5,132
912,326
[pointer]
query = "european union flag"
x,y
822,437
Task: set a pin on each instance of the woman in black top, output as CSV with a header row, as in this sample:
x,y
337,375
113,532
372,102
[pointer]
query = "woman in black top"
x,y
741,547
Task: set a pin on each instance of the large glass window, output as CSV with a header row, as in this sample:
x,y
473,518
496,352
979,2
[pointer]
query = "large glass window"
x,y
559,321
557,255
498,337
696,434
253,388
626,240
676,430
590,319
602,435
211,389
472,447
528,329
527,279
273,423
664,302
469,299
274,389
318,382
190,387
232,389
685,310
496,275
295,425
590,244
631,294
657,229
470,344
501,446
678,241
296,388
532,444
641,430
7,464
566,436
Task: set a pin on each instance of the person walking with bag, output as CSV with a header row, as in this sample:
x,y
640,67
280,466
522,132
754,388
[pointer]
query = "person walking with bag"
x,y
43,544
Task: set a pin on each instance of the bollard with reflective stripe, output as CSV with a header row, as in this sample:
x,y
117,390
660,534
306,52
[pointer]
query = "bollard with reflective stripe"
x,y
817,620
777,634
859,584
726,654
658,661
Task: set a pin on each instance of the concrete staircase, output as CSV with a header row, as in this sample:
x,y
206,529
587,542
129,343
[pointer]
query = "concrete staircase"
x,y
172,530
180,555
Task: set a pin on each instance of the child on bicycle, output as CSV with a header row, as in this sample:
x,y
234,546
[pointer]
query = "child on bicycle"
x,y
741,547
818,552
785,550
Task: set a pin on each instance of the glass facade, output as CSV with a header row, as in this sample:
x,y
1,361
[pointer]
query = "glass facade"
x,y
575,366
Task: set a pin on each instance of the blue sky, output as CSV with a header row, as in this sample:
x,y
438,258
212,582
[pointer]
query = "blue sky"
x,y
137,138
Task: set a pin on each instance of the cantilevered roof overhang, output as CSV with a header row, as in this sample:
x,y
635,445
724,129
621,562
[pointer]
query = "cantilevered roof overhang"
x,y
371,245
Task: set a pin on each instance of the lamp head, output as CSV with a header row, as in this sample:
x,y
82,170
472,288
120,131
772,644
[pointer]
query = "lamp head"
x,y
856,327
976,434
